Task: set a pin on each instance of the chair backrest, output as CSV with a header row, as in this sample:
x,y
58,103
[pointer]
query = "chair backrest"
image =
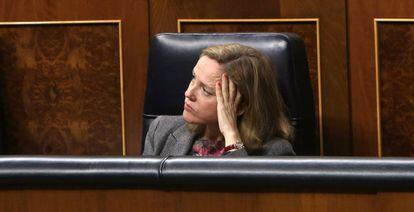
x,y
172,57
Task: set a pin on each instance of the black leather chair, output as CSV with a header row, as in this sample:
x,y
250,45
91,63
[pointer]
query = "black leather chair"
x,y
172,57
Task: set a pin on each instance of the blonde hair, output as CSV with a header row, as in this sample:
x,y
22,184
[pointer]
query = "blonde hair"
x,y
264,110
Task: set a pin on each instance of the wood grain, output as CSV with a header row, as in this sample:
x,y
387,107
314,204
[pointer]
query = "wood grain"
x,y
164,13
334,76
134,17
173,200
361,16
58,96
396,74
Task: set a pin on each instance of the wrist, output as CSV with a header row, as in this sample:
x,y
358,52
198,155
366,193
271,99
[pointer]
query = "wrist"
x,y
232,138
233,147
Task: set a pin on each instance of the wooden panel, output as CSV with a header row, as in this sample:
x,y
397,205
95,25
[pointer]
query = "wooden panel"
x,y
134,17
362,76
58,97
395,201
157,200
361,16
164,13
334,75
395,44
306,29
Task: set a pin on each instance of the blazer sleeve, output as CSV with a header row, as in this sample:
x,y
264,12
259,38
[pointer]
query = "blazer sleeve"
x,y
279,147
237,153
149,147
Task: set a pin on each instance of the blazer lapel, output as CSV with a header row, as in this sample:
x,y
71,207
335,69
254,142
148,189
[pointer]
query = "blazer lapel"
x,y
181,141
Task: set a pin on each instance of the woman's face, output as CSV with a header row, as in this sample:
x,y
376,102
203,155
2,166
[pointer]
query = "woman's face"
x,y
200,99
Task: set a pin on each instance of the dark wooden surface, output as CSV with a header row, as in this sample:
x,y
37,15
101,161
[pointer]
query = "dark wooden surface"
x,y
334,76
57,94
157,200
361,16
164,13
396,74
134,16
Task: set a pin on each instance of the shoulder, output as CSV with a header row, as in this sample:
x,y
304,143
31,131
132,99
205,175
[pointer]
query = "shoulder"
x,y
159,131
167,123
170,120
278,146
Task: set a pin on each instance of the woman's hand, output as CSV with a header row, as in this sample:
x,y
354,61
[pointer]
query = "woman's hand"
x,y
228,98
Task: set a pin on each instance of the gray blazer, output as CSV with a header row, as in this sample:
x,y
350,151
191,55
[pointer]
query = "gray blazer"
x,y
169,136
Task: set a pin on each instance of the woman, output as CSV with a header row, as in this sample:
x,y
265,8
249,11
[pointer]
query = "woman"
x,y
232,107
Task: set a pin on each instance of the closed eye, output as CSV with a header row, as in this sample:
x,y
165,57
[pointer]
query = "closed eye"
x,y
206,91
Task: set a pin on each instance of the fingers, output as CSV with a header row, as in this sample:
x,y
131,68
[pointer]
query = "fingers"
x,y
227,94
232,91
228,88
225,87
219,92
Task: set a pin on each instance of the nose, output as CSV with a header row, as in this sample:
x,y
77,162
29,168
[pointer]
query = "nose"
x,y
189,93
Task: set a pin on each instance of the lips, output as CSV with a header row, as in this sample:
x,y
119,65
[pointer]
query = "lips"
x,y
187,107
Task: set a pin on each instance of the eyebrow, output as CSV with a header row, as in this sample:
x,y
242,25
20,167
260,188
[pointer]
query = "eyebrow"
x,y
206,86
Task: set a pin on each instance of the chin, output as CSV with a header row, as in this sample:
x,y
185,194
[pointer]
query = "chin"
x,y
189,118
